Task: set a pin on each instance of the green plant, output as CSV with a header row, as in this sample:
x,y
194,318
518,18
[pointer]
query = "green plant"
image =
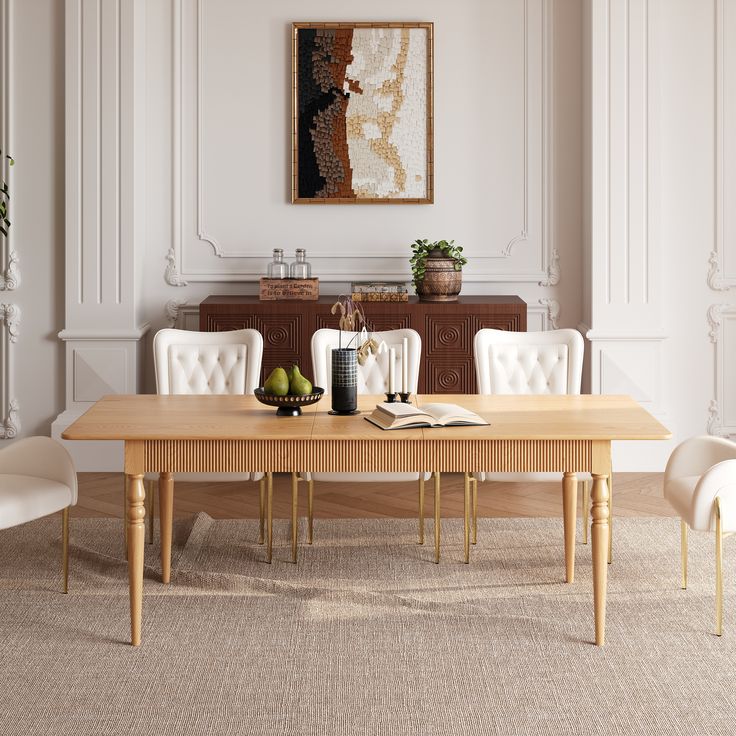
x,y
420,250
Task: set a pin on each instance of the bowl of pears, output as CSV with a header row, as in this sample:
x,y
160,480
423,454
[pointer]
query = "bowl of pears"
x,y
288,390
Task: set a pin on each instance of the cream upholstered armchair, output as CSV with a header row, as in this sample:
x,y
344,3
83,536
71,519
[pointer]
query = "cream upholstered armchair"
x,y
700,484
372,379
549,362
37,478
188,362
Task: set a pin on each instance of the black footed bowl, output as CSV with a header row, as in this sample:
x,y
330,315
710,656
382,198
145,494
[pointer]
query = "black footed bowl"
x,y
289,406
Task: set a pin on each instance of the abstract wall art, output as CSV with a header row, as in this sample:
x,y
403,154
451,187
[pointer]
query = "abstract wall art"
x,y
362,113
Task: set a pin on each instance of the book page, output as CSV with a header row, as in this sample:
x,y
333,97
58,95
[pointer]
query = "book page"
x,y
398,409
443,412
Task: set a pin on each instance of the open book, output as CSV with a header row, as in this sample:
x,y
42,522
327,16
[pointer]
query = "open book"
x,y
403,416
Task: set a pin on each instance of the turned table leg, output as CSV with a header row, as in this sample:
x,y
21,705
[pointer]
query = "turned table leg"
x,y
599,537
569,509
136,514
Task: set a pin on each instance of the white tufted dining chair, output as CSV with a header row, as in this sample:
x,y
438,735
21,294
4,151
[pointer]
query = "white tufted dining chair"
x,y
188,362
548,362
37,478
372,379
700,484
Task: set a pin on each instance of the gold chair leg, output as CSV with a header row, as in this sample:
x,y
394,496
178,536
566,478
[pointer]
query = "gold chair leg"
x,y
261,508
421,508
65,548
294,515
719,570
466,517
586,510
474,485
683,553
150,509
269,518
310,511
437,518
610,518
569,508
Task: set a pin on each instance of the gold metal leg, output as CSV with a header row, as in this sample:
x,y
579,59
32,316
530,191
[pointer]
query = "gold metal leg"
x,y
261,508
150,508
269,518
310,511
136,542
586,510
294,515
421,508
683,553
569,508
610,518
719,569
466,518
599,538
166,521
437,518
474,484
65,548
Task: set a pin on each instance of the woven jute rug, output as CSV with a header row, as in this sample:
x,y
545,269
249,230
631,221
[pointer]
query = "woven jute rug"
x,y
365,635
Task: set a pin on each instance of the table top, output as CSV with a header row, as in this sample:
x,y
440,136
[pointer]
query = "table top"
x,y
153,417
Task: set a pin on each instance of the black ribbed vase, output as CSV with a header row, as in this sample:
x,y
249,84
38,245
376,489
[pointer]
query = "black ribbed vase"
x,y
344,380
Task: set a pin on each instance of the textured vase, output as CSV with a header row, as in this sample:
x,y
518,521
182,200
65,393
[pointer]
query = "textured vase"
x,y
441,282
344,380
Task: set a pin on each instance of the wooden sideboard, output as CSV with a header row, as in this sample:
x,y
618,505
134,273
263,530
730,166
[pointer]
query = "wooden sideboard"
x,y
447,330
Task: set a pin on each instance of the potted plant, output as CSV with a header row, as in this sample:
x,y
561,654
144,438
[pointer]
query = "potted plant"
x,y
437,270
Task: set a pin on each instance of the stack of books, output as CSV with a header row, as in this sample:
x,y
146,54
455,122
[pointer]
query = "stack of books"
x,y
379,291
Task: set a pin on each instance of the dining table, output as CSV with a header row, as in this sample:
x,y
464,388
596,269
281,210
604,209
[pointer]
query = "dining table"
x,y
567,435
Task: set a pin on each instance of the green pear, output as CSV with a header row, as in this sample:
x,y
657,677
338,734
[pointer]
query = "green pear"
x,y
277,383
299,386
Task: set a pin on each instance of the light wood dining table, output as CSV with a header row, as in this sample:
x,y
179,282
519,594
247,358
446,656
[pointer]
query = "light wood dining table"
x,y
237,434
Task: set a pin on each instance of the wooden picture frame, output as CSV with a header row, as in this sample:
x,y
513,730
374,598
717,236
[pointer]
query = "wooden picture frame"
x,y
354,142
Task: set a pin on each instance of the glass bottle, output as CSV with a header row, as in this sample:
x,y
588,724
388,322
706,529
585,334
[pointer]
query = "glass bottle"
x,y
277,269
301,269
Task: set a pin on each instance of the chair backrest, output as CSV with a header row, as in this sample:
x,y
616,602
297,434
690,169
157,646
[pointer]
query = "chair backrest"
x,y
548,362
189,362
373,376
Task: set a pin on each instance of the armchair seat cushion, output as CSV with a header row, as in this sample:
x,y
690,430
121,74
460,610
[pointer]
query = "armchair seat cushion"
x,y
679,492
25,498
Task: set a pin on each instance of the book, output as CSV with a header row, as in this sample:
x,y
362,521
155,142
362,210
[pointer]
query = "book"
x,y
379,287
358,296
398,415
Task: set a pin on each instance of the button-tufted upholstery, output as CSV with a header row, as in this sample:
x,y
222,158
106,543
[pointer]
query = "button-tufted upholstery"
x,y
207,362
528,362
372,379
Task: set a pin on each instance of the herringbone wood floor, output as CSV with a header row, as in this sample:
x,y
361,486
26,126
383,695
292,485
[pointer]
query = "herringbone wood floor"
x,y
635,494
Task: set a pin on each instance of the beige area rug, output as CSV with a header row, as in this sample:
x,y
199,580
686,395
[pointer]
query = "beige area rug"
x,y
364,636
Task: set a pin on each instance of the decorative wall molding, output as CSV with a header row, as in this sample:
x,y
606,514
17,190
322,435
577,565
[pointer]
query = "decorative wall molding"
x,y
190,228
171,310
722,259
9,271
172,276
553,311
722,407
9,408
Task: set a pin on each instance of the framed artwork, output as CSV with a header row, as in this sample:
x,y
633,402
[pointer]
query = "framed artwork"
x,y
362,113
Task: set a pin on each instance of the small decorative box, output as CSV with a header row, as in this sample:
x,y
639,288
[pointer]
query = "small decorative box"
x,y
306,290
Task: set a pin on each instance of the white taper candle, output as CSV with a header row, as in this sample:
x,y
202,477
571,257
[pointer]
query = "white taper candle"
x,y
391,361
405,365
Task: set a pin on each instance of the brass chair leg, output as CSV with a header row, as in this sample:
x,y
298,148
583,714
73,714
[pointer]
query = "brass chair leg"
x,y
294,515
65,548
150,508
466,517
269,518
610,518
586,510
437,518
719,569
310,511
421,508
261,508
683,553
474,485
